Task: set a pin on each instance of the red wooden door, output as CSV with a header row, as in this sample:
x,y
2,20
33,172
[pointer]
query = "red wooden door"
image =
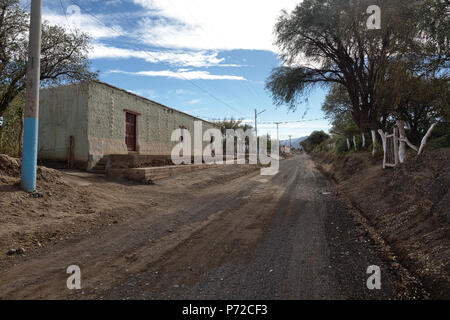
x,y
130,133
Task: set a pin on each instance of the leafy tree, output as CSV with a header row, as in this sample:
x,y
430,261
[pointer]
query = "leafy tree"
x,y
315,139
337,108
11,130
326,42
423,102
232,123
64,55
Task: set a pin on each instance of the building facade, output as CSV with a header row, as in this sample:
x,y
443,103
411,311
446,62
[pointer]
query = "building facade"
x,y
90,120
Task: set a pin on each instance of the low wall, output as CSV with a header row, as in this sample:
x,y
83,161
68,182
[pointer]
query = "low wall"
x,y
154,173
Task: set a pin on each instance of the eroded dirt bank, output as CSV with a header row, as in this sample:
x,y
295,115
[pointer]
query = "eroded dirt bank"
x,y
408,206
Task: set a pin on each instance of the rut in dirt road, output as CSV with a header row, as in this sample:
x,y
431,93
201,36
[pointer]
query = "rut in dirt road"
x,y
255,237
303,248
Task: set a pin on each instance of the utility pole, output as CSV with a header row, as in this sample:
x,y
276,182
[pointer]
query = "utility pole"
x,y
31,122
290,142
278,123
256,128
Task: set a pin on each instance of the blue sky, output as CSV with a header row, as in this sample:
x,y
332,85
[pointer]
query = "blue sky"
x,y
209,58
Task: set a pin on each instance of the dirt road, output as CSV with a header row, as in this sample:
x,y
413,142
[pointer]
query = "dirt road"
x,y
251,237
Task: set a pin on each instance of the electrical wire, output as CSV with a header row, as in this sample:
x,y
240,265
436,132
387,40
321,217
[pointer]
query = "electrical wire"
x,y
162,62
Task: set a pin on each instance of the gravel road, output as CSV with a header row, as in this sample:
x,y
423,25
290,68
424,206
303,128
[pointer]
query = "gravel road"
x,y
254,237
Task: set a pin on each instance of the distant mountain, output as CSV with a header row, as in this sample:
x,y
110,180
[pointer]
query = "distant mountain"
x,y
295,142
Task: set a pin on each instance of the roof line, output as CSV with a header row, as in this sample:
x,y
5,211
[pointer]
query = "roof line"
x,y
138,96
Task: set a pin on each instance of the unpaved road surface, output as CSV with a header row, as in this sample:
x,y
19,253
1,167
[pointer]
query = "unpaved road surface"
x,y
251,237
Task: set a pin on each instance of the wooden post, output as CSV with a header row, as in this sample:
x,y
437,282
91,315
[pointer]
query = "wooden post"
x,y
402,148
374,142
71,157
396,146
383,139
425,139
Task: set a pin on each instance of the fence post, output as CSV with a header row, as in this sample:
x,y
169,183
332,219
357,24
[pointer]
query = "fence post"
x,y
402,148
383,139
374,142
396,146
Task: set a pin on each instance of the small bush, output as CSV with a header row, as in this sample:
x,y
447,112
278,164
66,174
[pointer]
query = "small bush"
x,y
440,137
341,146
11,129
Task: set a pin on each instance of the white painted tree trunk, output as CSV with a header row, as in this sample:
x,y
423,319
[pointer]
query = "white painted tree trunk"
x,y
374,142
348,144
354,143
383,139
425,139
402,148
363,140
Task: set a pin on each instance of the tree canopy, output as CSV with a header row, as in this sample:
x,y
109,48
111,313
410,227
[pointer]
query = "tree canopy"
x,y
327,42
64,54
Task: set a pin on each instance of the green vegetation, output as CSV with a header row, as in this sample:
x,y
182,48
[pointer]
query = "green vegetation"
x,y
375,77
10,132
314,140
64,58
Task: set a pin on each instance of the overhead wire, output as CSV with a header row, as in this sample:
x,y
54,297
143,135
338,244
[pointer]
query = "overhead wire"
x,y
159,60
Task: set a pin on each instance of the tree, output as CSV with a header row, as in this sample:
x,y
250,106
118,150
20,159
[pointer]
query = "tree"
x,y
315,139
326,42
423,102
337,108
64,55
232,124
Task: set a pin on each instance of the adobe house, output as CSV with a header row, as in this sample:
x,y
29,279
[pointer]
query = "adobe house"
x,y
91,123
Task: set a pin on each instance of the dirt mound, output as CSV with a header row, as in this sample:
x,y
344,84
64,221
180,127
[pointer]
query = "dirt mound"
x,y
10,169
409,207
10,166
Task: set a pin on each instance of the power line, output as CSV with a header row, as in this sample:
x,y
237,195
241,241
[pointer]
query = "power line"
x,y
158,60
287,122
249,88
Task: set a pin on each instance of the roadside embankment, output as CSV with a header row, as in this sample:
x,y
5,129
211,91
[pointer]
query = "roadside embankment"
x,y
408,206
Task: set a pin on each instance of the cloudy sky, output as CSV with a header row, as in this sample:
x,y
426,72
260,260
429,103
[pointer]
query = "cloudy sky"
x,y
209,58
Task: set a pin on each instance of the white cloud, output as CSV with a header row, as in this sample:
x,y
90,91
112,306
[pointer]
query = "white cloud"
x,y
182,75
195,101
212,24
75,19
175,57
147,93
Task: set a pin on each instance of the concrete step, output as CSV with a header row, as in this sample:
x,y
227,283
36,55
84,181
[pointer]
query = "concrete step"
x,y
96,171
154,173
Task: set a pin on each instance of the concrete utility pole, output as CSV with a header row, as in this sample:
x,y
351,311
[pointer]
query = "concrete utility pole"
x,y
256,128
31,122
290,142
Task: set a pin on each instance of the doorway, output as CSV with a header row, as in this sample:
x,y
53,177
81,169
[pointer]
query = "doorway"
x,y
130,133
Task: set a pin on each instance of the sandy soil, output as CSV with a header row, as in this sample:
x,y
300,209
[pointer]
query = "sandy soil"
x,y
69,204
221,233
